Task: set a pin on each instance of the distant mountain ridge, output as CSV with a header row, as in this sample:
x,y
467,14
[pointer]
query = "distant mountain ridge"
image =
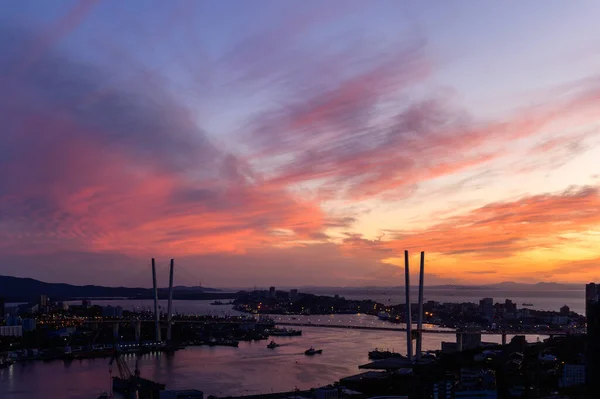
x,y
17,289
505,285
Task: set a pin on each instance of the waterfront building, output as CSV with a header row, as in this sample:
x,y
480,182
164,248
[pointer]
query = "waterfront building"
x,y
13,321
443,390
476,384
572,375
464,341
29,324
112,311
560,320
11,331
182,394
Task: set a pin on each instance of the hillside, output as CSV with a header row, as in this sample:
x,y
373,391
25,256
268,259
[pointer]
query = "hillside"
x,y
17,289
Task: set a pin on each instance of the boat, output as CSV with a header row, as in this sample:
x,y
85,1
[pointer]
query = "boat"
x,y
527,304
221,303
284,332
379,354
313,351
95,353
223,342
5,363
273,345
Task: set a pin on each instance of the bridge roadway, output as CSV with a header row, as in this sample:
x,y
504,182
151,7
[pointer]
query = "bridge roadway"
x,y
345,326
425,331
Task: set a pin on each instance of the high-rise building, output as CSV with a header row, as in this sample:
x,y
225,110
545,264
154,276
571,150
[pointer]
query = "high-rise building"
x,y
565,311
2,311
293,295
476,383
486,307
592,355
572,375
591,294
591,291
272,292
29,324
510,306
43,300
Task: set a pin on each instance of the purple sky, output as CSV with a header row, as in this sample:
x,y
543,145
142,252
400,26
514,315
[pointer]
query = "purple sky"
x,y
271,142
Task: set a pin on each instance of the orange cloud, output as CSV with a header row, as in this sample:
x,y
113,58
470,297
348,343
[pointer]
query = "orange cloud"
x,y
500,229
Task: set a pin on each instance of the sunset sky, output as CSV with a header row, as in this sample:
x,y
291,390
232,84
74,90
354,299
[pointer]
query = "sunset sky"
x,y
300,143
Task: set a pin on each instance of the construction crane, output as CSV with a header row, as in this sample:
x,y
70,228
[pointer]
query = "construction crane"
x,y
131,383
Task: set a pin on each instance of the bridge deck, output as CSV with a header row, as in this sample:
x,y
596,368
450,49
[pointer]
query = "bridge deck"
x,y
345,326
425,331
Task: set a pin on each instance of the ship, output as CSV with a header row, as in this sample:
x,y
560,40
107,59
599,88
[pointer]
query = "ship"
x,y
223,342
380,354
312,351
284,332
221,303
527,304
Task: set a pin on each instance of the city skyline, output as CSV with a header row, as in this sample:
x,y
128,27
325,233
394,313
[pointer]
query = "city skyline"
x,y
300,144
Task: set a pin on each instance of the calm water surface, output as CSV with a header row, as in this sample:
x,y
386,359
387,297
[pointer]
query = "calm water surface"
x,y
249,369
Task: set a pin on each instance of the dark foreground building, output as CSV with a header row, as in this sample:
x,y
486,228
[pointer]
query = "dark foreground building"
x,y
592,355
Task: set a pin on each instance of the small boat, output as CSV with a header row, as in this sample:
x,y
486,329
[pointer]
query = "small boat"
x,y
313,351
273,345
